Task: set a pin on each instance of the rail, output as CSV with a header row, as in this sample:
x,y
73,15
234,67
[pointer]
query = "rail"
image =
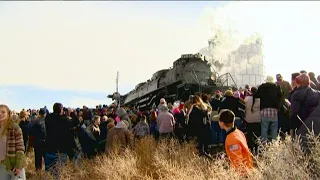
x,y
226,80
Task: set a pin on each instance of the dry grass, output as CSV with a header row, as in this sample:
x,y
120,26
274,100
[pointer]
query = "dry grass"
x,y
169,160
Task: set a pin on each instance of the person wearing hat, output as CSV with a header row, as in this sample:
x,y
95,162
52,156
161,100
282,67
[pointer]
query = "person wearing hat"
x,y
236,144
283,116
119,136
270,96
284,85
165,122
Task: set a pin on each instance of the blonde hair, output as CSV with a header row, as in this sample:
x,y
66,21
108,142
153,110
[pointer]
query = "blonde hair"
x,y
7,122
228,93
198,102
95,118
23,114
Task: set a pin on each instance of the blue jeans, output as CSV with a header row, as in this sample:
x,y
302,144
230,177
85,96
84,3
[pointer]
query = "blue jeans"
x,y
218,135
54,161
265,123
4,174
238,123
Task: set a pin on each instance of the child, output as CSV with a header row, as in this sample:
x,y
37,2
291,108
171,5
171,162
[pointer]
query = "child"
x,y
142,128
236,143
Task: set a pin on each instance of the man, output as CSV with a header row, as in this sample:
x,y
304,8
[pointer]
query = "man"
x,y
270,96
86,116
284,85
58,129
38,130
283,115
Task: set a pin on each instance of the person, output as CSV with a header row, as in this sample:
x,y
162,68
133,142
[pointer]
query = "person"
x,y
165,122
12,158
179,116
303,102
38,130
87,141
119,136
123,116
94,128
218,136
236,144
58,136
270,97
199,124
23,123
283,115
312,84
253,118
142,128
235,104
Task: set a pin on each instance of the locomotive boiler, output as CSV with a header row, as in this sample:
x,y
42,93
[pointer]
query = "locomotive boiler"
x,y
190,74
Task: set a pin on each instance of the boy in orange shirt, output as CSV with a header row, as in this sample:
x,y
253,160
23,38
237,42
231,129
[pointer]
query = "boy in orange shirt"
x,y
236,143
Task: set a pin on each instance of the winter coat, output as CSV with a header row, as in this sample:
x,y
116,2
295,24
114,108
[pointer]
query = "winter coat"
x,y
303,101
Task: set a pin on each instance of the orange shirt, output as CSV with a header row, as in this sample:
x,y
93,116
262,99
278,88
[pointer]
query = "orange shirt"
x,y
238,151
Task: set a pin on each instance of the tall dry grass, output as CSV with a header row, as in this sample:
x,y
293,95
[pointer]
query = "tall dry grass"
x,y
169,160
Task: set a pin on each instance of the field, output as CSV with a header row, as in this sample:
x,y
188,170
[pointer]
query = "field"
x,y
168,160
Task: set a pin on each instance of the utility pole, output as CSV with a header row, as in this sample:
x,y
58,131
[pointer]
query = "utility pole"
x,y
117,82
117,90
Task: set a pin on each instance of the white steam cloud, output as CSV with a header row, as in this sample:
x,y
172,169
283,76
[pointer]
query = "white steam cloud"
x,y
288,31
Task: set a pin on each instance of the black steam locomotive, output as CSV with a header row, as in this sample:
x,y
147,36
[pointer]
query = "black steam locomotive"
x,y
190,74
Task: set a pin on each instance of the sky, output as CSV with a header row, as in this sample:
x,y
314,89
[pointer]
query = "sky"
x,y
70,52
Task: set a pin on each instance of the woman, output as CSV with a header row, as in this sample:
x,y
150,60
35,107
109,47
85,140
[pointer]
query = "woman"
x,y
165,122
23,123
199,124
94,128
12,148
253,118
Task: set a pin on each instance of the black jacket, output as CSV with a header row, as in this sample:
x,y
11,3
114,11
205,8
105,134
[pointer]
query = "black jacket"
x,y
37,128
270,95
233,104
59,134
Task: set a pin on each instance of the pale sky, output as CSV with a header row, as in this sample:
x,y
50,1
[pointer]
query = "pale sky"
x,y
79,46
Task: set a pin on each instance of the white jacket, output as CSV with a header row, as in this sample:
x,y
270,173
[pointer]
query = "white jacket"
x,y
252,117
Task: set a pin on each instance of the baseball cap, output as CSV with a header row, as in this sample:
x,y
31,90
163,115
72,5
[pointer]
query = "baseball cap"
x,y
278,76
225,115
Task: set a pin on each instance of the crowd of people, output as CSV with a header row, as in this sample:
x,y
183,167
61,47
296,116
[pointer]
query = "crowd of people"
x,y
235,118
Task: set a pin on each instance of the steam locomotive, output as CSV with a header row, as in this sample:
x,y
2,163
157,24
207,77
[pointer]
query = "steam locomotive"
x,y
190,74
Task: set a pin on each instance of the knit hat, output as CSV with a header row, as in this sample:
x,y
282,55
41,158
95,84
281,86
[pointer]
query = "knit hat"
x,y
164,108
269,79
